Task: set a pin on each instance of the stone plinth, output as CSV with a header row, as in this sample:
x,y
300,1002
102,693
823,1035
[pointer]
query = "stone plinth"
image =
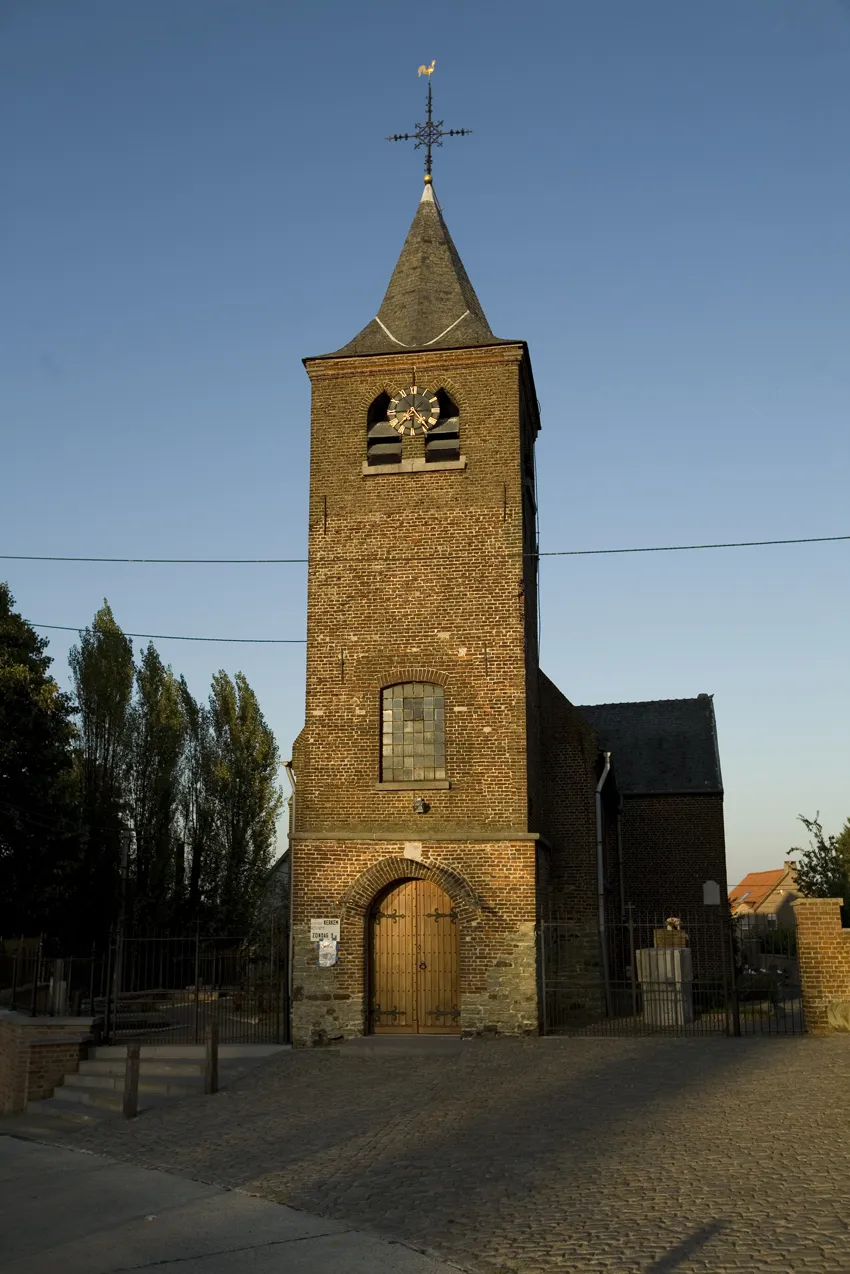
x,y
666,978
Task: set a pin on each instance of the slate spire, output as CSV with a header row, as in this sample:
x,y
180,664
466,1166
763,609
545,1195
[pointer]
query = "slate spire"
x,y
430,302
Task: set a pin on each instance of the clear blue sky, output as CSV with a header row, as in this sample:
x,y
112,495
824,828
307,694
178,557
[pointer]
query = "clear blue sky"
x,y
656,196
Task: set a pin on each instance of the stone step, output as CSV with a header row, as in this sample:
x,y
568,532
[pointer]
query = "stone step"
x,y
147,1066
172,1086
103,1099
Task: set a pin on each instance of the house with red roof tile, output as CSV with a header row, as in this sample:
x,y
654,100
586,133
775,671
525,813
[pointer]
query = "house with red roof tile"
x,y
768,894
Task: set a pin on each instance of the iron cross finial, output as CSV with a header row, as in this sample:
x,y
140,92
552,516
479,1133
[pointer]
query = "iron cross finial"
x,y
431,133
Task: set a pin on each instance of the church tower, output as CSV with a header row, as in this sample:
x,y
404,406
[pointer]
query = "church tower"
x,y
416,770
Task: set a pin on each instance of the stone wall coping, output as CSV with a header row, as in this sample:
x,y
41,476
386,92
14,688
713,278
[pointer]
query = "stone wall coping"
x,y
42,1023
60,1039
808,902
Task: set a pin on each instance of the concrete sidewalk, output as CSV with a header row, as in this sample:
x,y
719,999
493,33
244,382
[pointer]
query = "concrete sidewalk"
x,y
69,1212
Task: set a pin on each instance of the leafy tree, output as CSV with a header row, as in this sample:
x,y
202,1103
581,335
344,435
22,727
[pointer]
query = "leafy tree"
x,y
824,868
156,728
197,806
102,671
38,826
247,799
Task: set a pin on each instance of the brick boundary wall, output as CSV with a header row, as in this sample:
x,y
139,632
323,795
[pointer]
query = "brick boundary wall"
x,y
823,948
36,1054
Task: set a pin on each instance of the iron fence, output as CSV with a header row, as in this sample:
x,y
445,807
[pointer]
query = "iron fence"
x,y
158,988
171,989
37,981
637,973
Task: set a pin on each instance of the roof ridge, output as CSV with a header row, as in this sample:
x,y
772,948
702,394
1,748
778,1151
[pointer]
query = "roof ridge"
x,y
624,703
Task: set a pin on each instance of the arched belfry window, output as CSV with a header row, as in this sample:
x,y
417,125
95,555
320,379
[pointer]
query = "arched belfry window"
x,y
413,732
442,442
383,444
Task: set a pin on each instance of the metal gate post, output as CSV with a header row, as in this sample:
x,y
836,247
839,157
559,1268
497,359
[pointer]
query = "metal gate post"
x,y
632,971
543,988
107,999
35,975
736,1008
197,981
15,971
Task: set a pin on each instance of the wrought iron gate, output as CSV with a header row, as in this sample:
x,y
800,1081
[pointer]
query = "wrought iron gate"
x,y
640,973
171,989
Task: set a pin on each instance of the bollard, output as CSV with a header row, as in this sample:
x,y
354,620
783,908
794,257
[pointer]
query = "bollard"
x,y
211,1060
131,1081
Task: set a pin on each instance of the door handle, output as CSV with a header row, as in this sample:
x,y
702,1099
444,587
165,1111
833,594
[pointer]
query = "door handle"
x,y
422,964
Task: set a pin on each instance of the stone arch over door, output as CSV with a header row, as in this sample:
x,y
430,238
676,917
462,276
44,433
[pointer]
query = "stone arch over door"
x,y
359,896
412,916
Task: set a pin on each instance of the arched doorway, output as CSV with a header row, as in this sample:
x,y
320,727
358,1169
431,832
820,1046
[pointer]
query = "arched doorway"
x,y
414,961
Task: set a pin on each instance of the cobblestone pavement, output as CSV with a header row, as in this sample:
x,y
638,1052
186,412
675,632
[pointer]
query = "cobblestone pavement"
x,y
622,1156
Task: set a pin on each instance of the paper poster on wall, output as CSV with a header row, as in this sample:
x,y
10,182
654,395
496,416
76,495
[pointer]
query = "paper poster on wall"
x,y
321,929
328,953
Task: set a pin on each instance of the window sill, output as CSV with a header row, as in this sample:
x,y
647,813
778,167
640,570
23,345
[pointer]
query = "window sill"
x,y
426,785
416,464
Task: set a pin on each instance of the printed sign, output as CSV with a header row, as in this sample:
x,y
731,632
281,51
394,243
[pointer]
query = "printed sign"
x,y
322,929
328,953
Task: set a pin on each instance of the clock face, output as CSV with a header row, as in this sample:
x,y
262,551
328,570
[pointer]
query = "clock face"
x,y
413,411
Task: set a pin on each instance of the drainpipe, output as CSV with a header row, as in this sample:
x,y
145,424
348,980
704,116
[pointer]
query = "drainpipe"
x,y
290,774
600,879
620,857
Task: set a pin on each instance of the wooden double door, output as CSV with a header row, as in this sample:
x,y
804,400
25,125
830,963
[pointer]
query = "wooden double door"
x,y
414,973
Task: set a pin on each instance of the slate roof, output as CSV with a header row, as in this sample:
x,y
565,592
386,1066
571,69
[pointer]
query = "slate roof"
x,y
430,302
662,745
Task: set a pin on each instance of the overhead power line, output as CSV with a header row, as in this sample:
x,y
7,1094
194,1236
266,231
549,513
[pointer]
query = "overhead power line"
x,y
275,561
249,641
290,561
685,548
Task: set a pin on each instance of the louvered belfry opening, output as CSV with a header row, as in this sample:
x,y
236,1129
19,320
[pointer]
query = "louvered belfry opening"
x,y
383,443
413,733
443,441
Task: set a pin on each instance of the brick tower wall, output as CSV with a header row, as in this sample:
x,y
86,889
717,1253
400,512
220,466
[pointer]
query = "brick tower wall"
x,y
420,576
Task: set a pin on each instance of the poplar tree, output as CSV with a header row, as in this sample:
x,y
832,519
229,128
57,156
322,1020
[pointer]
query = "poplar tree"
x,y
102,671
197,808
157,732
243,776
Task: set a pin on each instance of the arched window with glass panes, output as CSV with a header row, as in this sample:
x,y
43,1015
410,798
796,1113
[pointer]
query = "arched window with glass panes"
x,y
413,733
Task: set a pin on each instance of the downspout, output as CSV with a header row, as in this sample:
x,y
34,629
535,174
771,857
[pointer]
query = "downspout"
x,y
600,879
620,857
291,776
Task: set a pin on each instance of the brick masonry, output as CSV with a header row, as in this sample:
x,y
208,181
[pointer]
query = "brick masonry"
x,y
428,574
420,576
35,1055
671,845
823,947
